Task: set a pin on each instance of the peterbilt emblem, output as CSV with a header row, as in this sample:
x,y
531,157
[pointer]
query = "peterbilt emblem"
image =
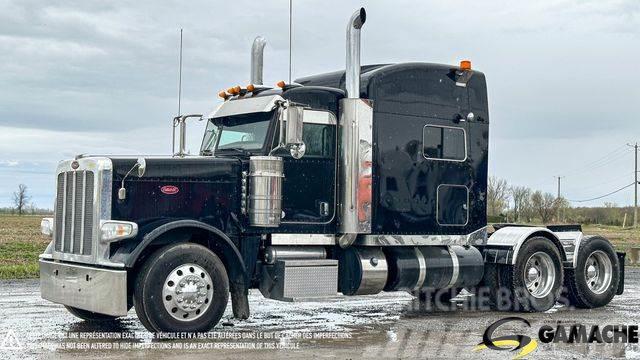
x,y
75,165
169,189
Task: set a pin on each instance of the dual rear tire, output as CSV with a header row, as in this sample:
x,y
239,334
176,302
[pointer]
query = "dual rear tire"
x,y
594,281
535,282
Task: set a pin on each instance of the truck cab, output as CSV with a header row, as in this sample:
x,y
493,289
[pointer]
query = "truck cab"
x,y
369,179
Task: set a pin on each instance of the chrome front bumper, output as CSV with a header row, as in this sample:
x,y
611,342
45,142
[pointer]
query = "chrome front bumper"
x,y
99,290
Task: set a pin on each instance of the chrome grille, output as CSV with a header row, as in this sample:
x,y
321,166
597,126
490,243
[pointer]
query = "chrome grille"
x,y
74,212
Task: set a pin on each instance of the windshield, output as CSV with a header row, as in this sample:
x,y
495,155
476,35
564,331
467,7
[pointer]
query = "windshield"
x,y
245,132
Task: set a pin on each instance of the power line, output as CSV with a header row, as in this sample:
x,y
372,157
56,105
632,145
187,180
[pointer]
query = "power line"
x,y
605,195
600,184
604,159
619,156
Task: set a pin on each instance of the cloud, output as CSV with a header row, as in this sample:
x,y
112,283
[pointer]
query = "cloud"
x,y
80,76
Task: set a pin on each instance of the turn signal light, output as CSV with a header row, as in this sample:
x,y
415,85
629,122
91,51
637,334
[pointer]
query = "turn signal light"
x,y
250,88
465,64
280,84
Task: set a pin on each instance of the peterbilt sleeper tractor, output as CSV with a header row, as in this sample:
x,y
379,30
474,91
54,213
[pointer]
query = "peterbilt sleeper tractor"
x,y
356,182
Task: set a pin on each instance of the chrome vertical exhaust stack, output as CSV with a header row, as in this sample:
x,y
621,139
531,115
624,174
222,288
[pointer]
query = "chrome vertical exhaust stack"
x,y
352,74
257,60
356,134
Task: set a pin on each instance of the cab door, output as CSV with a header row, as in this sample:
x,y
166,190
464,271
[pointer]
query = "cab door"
x,y
309,186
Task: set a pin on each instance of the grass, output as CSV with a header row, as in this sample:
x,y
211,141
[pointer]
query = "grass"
x,y
21,243
622,238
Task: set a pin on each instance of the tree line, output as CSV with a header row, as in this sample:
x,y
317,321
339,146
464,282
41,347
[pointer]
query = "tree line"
x,y
521,204
22,204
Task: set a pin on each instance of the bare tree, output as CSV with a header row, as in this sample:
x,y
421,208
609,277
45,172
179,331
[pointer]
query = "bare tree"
x,y
546,205
521,196
21,198
497,195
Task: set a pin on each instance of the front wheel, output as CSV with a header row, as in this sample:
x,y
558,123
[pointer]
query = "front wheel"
x,y
594,281
182,288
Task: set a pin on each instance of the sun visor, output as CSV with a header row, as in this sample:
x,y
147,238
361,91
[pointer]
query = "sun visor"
x,y
246,106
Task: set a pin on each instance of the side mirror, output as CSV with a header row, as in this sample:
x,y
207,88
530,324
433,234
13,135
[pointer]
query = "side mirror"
x,y
142,166
293,116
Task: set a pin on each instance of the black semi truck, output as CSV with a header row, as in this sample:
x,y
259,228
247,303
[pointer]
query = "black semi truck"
x,y
355,182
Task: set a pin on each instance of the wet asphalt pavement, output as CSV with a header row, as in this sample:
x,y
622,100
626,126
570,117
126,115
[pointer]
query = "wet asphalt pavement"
x,y
385,325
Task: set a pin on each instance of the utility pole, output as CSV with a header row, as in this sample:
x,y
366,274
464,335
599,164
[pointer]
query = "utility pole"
x,y
558,196
559,177
635,174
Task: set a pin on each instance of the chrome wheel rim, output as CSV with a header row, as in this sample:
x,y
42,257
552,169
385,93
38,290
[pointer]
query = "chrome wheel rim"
x,y
598,271
539,274
187,292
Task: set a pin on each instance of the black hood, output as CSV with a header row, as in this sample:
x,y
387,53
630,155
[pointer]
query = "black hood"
x,y
200,188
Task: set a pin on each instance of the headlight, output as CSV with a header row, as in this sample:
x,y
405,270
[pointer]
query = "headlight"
x,y
46,226
111,231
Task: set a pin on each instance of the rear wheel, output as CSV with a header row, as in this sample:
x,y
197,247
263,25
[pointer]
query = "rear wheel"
x,y
89,315
534,283
594,281
183,288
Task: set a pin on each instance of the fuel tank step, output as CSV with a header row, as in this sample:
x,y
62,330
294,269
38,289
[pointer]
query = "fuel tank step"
x,y
291,280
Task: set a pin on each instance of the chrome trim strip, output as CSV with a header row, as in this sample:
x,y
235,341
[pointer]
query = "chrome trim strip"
x,y
456,267
84,195
423,269
64,211
478,237
73,212
303,239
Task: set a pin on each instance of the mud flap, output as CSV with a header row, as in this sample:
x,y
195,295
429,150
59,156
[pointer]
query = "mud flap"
x,y
240,300
621,257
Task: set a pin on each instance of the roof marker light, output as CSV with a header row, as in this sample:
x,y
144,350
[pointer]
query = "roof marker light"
x,y
465,65
281,84
251,87
234,90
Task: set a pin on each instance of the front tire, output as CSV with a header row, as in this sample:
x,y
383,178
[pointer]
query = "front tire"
x,y
594,281
184,288
90,316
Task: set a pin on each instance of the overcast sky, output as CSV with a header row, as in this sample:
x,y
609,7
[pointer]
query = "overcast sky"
x,y
101,77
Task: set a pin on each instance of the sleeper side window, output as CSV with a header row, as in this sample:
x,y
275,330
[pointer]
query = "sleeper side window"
x,y
444,143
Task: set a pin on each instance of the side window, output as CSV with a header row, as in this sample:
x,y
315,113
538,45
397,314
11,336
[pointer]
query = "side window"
x,y
444,143
319,140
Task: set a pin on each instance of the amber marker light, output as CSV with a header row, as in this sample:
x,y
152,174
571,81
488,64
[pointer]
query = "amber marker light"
x,y
280,84
223,94
250,88
234,90
465,64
